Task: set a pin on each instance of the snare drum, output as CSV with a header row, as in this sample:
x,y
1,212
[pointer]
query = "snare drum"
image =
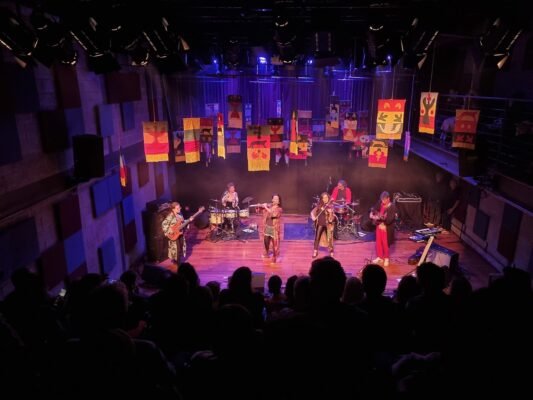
x,y
230,214
340,209
216,218
244,213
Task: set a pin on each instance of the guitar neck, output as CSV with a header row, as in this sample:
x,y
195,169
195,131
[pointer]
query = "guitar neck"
x,y
189,220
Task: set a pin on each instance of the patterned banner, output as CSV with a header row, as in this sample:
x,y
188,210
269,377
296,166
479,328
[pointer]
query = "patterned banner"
x,y
334,114
122,170
235,111
304,136
258,149
464,134
191,136
206,138
179,148
428,110
377,156
275,126
350,127
293,147
345,107
156,145
211,109
248,114
406,145
221,149
233,141
389,123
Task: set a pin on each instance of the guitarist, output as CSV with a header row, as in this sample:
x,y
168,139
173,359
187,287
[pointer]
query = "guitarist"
x,y
383,214
176,247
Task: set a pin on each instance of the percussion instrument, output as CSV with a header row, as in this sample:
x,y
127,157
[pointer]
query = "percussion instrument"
x,y
244,213
340,209
230,214
216,218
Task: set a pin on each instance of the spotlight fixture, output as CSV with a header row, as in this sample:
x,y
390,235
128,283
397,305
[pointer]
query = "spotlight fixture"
x,y
15,36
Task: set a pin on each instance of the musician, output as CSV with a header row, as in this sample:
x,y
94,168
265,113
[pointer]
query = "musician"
x,y
272,230
342,192
176,248
324,217
383,214
230,202
230,198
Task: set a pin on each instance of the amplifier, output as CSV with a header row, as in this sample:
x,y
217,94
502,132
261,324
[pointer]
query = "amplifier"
x,y
403,197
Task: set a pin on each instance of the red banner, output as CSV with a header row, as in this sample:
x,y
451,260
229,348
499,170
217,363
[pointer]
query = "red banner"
x,y
156,145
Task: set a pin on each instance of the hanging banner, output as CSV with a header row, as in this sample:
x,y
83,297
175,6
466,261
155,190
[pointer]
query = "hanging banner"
x,y
349,127
122,170
221,149
293,147
211,109
389,121
377,155
206,138
156,145
464,134
235,111
191,137
179,147
406,145
305,134
334,114
258,149
275,128
428,110
233,141
345,107
248,114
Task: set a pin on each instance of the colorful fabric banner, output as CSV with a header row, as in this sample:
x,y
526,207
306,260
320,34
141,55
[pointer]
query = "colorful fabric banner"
x,y
293,147
428,110
191,137
233,141
179,147
156,145
122,170
406,145
345,107
377,156
350,127
275,127
389,121
334,114
304,136
221,149
206,138
248,114
258,149
464,134
235,111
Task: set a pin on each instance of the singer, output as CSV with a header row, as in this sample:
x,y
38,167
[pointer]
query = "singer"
x,y
324,218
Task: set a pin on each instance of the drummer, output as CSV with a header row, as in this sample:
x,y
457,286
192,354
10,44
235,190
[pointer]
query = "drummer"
x,y
230,202
341,193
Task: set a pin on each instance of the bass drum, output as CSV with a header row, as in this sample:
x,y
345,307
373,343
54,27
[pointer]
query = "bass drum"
x,y
202,220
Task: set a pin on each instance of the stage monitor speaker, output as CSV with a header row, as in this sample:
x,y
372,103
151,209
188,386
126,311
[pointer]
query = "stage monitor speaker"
x,y
443,256
88,156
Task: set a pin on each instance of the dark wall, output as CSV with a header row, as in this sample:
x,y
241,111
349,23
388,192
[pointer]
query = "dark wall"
x,y
298,183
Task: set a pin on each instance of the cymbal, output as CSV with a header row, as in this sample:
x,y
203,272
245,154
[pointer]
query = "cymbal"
x,y
248,199
215,200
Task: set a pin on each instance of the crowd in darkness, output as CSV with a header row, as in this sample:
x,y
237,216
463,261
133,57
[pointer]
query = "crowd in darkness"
x,y
324,336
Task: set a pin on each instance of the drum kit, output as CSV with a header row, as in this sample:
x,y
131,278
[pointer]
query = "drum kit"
x,y
225,221
348,216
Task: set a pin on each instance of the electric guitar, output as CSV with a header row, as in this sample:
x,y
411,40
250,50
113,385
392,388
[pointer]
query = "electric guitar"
x,y
176,230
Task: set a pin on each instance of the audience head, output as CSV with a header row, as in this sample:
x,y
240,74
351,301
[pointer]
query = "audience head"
x,y
374,280
327,280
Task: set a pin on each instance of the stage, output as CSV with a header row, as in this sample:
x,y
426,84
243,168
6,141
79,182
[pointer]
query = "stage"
x,y
215,260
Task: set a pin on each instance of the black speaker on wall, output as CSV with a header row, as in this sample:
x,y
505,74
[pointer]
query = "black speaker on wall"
x,y
88,156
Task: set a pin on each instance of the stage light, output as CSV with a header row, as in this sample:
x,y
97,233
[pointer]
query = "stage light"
x,y
15,36
139,57
499,40
261,60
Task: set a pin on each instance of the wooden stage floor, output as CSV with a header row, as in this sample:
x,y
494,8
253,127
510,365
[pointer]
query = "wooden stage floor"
x,y
215,261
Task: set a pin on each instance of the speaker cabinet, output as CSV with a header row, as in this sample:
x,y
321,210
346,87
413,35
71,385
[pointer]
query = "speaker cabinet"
x,y
88,156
